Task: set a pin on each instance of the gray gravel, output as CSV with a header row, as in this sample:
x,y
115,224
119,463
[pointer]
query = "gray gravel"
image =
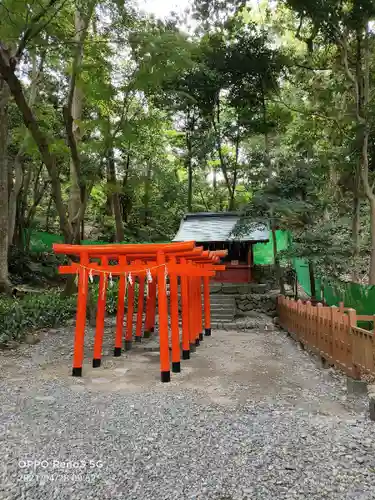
x,y
250,417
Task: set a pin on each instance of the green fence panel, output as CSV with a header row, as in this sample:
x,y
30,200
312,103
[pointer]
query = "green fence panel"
x,y
359,297
263,252
41,242
301,267
354,295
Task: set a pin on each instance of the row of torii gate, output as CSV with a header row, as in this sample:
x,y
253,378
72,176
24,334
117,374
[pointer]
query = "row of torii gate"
x,y
184,265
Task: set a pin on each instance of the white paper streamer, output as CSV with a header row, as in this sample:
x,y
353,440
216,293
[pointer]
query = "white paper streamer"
x,y
149,276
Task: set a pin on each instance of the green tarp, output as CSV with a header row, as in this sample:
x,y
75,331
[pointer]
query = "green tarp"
x,y
263,252
41,242
359,297
354,295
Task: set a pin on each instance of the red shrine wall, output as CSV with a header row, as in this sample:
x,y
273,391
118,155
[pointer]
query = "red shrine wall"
x,y
239,262
234,274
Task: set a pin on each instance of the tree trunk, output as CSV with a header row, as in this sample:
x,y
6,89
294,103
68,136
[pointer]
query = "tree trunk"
x,y
266,135
126,197
14,193
217,130
276,259
21,239
362,91
190,187
372,227
4,99
73,116
356,223
108,204
295,286
8,73
115,197
79,192
19,159
214,181
214,186
231,205
189,168
38,193
312,281
48,213
232,197
147,195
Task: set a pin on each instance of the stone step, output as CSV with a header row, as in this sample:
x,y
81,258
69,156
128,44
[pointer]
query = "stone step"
x,y
217,307
226,305
216,314
219,299
223,325
222,302
218,296
222,308
221,316
238,288
222,298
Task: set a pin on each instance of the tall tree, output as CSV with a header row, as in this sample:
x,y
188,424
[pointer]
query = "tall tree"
x,y
345,26
4,99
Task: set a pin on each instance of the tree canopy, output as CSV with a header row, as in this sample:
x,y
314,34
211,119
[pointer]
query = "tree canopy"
x,y
114,123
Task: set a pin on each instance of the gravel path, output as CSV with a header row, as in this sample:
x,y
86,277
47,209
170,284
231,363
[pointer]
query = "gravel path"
x,y
250,417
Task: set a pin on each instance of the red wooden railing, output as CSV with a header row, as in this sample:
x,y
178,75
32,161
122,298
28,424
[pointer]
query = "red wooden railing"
x,y
332,333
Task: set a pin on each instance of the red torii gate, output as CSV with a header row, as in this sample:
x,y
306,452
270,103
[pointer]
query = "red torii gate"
x,y
154,262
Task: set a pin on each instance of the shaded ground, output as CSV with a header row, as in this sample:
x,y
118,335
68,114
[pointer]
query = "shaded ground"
x,y
251,416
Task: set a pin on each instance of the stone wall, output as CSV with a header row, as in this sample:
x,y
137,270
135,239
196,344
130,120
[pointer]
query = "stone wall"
x,y
250,298
265,275
238,288
253,303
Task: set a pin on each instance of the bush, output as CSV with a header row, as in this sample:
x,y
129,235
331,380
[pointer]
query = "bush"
x,y
45,310
112,296
34,311
111,302
34,268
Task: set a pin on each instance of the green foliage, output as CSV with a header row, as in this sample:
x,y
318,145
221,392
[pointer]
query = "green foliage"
x,y
256,111
327,245
35,268
111,296
48,309
34,311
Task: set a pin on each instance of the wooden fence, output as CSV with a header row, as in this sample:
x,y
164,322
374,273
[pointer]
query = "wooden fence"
x,y
331,333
